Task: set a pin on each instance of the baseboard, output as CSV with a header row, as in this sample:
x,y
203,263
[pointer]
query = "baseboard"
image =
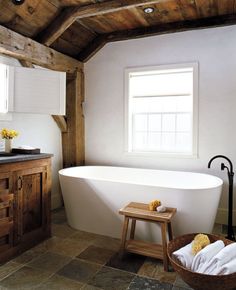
x,y
222,216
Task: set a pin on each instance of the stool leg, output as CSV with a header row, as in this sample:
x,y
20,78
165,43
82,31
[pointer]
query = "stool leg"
x,y
124,234
170,232
164,245
132,231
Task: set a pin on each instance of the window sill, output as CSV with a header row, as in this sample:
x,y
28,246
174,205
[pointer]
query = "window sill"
x,y
161,155
5,117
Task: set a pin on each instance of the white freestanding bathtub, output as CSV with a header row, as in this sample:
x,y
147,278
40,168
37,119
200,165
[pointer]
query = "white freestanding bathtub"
x,y
93,196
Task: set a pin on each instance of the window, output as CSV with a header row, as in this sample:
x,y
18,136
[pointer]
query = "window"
x,y
161,113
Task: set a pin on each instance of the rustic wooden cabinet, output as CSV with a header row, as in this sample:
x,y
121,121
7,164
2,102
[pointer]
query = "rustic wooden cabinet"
x,y
24,204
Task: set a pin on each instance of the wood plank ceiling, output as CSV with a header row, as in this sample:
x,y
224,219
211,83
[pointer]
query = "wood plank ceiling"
x,y
79,28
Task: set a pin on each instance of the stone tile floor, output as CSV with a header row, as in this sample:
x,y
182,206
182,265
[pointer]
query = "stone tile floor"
x,y
73,259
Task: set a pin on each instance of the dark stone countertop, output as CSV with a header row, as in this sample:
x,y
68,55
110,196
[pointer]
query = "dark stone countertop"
x,y
22,157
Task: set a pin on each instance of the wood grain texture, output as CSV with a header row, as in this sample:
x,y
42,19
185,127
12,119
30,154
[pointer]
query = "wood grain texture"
x,y
73,138
173,27
24,205
141,211
70,14
61,122
15,45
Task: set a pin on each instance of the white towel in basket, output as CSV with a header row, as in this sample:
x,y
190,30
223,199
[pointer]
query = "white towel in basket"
x,y
227,268
205,255
224,256
184,255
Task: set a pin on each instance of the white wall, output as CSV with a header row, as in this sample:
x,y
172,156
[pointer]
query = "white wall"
x,y
214,50
39,131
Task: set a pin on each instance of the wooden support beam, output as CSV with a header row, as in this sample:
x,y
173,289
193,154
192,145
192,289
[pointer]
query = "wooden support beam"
x,y
70,14
93,47
22,48
73,139
173,27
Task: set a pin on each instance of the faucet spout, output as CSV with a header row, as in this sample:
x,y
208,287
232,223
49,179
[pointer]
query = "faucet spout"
x,y
224,157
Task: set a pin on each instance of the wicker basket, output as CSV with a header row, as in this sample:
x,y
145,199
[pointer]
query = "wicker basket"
x,y
196,280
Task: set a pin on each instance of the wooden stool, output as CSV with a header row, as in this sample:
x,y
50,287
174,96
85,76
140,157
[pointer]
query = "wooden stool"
x,y
140,211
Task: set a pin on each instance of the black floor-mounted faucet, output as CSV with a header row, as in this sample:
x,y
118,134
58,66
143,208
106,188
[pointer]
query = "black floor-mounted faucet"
x,y
230,231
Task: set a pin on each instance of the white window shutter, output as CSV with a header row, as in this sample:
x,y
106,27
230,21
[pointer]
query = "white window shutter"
x,y
39,91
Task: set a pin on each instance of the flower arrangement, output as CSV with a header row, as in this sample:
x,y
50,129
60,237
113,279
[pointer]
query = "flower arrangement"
x,y
8,134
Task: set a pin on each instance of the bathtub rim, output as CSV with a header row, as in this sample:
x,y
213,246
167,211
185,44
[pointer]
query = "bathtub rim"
x,y
219,181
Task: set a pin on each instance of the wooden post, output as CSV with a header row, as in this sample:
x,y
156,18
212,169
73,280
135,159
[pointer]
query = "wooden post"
x,y
73,138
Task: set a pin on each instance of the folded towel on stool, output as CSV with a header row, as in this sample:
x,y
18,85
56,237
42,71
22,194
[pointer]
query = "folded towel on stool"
x,y
205,255
224,256
185,256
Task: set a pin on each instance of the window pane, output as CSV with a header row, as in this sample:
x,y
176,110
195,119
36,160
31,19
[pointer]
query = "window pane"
x,y
150,84
154,122
169,104
154,141
168,141
140,105
140,122
155,105
139,141
183,122
168,122
184,104
183,142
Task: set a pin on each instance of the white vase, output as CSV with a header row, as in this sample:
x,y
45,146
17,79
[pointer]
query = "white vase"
x,y
8,145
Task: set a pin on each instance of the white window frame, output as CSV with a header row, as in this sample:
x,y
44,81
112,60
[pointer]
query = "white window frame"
x,y
10,82
127,125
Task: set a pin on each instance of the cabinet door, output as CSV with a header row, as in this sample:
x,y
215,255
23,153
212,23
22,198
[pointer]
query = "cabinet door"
x,y
6,211
31,201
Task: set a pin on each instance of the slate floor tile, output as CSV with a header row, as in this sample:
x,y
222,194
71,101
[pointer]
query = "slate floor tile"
x,y
130,262
96,254
79,270
9,268
27,256
180,283
62,231
84,236
57,282
108,279
50,262
148,284
25,278
153,268
107,242
90,287
70,247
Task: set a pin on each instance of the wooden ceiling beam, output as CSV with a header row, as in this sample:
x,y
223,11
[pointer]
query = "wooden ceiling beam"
x,y
93,47
23,48
173,27
71,14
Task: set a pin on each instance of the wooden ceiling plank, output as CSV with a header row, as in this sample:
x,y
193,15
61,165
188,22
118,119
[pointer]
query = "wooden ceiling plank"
x,y
180,26
23,48
70,14
173,27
